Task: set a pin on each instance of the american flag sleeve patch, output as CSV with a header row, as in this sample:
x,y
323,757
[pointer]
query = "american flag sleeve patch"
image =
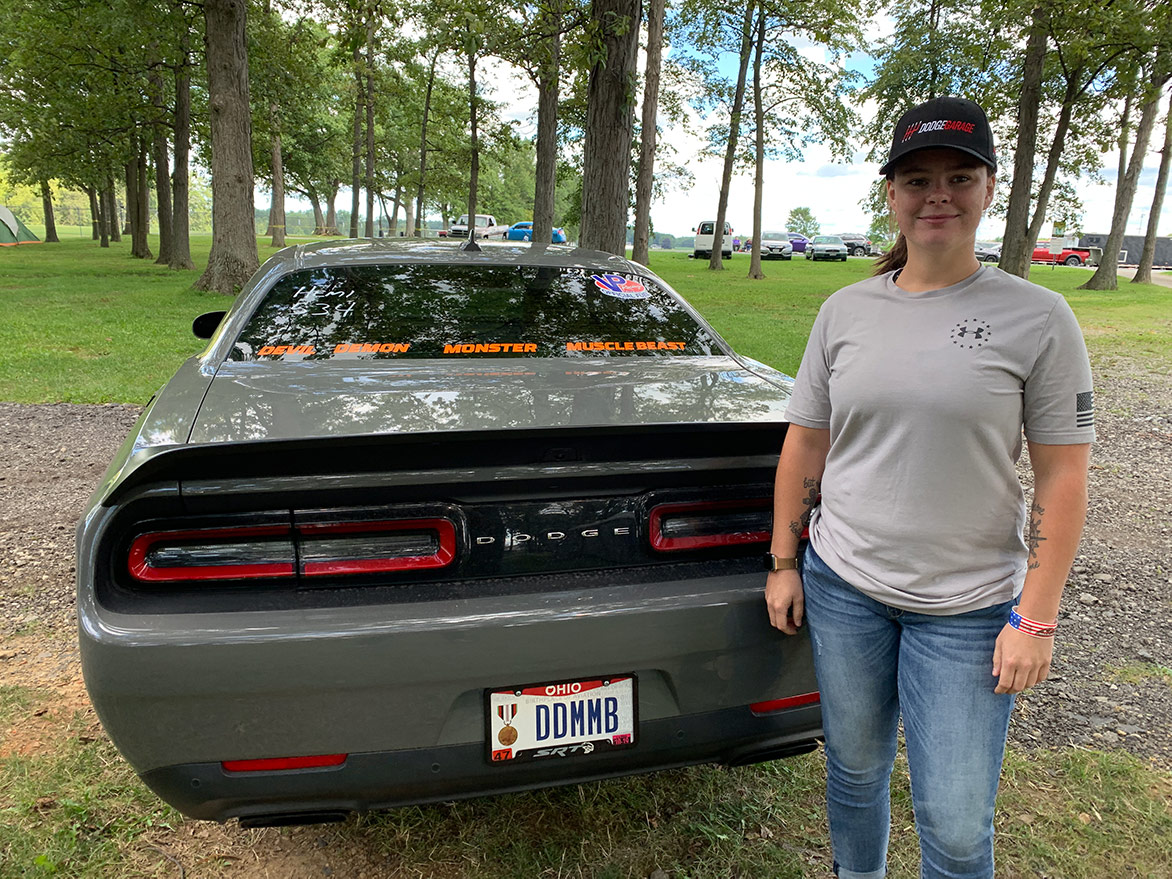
x,y
1084,409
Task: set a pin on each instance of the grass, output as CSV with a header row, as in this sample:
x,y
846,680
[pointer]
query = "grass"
x,y
1135,672
85,324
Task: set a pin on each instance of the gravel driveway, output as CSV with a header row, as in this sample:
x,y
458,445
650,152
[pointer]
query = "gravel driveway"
x,y
1111,685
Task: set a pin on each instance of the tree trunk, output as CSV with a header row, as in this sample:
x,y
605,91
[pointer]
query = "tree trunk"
x,y
50,220
755,272
1106,276
277,209
103,218
130,181
606,148
549,76
331,211
408,217
393,221
180,218
640,250
1015,258
162,168
370,126
142,225
95,212
233,257
113,221
423,146
1143,274
734,131
319,219
474,172
356,152
1052,162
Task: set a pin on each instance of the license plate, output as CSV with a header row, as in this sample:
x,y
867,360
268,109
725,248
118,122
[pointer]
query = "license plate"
x,y
561,719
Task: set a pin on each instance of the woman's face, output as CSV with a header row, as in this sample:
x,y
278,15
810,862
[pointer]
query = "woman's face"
x,y
938,196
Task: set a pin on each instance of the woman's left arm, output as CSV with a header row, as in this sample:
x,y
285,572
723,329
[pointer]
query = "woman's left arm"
x,y
1055,527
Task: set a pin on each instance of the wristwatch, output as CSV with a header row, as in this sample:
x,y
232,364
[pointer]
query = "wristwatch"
x,y
773,563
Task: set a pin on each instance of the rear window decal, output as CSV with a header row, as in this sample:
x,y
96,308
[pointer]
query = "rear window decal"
x,y
625,346
372,348
279,350
491,348
620,287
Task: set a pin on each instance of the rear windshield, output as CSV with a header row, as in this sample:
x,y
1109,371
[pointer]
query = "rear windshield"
x,y
412,311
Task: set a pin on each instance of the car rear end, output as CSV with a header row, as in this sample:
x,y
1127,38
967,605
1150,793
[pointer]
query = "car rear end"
x,y
360,574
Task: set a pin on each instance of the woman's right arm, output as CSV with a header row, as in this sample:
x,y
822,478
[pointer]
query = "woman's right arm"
x,y
795,492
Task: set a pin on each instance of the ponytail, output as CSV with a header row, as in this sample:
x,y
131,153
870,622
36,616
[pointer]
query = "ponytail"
x,y
894,260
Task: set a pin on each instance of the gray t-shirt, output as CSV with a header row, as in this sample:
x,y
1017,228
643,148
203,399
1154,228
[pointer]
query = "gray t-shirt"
x,y
925,396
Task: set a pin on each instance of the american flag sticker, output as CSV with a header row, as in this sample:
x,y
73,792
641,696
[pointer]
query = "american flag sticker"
x,y
1084,409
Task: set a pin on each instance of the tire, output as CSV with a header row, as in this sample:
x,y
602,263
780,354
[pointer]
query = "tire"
x,y
844,257
791,256
857,251
1072,260
696,254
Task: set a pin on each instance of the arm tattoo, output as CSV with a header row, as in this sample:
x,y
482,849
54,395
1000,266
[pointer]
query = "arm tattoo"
x,y
1034,537
813,487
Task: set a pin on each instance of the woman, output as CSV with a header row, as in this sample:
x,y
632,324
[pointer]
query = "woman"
x,y
924,597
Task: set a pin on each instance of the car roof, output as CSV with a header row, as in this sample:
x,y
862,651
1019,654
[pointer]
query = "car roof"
x,y
434,251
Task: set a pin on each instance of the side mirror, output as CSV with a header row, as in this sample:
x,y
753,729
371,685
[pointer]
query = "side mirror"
x,y
205,325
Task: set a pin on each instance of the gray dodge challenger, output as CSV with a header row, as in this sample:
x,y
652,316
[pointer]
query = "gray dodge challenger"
x,y
422,523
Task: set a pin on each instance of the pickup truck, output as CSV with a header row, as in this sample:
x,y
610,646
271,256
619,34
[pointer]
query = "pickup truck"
x,y
486,227
1070,256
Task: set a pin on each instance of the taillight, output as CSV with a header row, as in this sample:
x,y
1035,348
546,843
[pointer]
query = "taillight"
x,y
213,554
278,764
306,549
373,547
786,703
703,524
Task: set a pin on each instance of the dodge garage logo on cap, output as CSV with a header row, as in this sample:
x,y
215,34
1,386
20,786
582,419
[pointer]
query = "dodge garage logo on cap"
x,y
949,123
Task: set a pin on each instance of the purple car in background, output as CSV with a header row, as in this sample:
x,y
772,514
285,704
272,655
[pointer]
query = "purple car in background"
x,y
799,241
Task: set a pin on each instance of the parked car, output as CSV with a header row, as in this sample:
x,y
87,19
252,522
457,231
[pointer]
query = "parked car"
x,y
987,252
826,247
1069,256
523,231
705,232
486,227
776,245
856,244
798,241
422,524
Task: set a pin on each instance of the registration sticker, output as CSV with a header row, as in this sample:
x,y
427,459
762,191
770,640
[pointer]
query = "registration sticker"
x,y
561,719
620,287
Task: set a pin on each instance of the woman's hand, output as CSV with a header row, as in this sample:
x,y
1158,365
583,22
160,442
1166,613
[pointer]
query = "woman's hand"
x,y
786,603
1020,660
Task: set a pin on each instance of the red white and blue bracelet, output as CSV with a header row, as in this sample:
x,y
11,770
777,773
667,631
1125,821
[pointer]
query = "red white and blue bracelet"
x,y
1032,627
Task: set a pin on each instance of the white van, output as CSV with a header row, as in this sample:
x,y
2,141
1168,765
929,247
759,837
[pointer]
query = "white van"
x,y
702,245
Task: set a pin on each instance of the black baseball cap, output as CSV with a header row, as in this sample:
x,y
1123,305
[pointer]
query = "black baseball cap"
x,y
954,123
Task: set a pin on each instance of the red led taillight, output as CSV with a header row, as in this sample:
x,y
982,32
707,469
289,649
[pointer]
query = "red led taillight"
x,y
704,524
786,703
309,549
373,547
213,554
279,764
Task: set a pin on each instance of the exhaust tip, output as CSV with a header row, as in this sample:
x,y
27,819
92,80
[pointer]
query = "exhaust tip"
x,y
293,819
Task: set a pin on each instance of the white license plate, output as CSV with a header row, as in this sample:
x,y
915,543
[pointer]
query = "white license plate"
x,y
561,719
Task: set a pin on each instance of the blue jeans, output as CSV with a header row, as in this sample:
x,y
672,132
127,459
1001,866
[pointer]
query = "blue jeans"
x,y
876,662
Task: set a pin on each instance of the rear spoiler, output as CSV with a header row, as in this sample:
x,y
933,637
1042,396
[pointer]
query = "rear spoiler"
x,y
758,442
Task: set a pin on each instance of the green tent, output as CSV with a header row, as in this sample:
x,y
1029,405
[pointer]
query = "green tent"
x,y
13,231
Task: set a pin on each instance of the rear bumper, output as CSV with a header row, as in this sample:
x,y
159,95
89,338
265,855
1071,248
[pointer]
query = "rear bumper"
x,y
401,689
388,779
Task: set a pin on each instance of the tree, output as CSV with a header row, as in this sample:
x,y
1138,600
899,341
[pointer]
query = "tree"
x,y
233,257
1143,273
609,125
1106,276
647,132
802,220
